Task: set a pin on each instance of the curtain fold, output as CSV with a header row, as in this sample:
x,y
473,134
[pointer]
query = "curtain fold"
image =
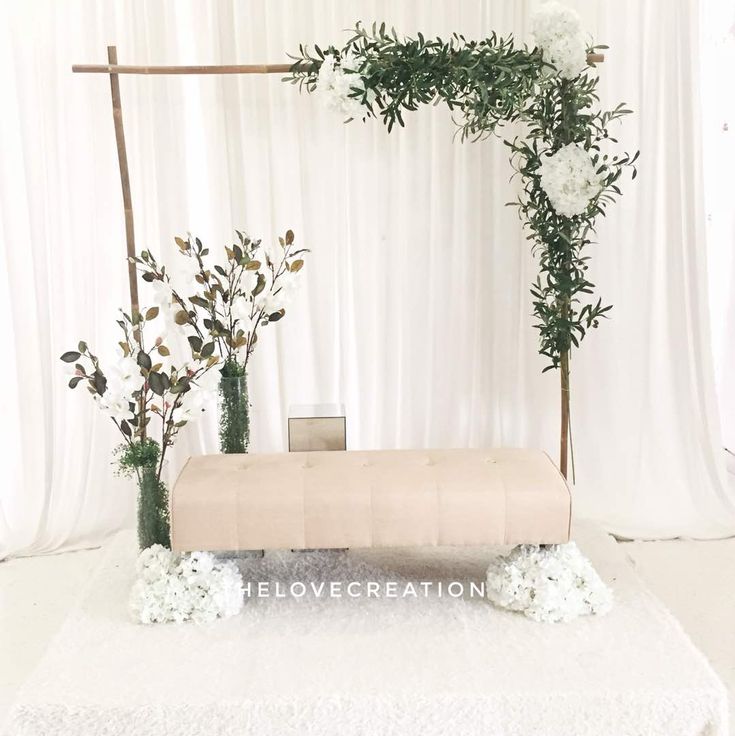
x,y
718,53
415,308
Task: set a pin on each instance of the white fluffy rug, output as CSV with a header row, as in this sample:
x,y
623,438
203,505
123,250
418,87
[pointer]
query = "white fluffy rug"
x,y
373,667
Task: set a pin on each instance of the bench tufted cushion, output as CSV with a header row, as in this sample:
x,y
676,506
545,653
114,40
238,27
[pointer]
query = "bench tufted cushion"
x,y
369,499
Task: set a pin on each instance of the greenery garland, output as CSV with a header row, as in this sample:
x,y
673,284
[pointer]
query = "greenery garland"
x,y
486,84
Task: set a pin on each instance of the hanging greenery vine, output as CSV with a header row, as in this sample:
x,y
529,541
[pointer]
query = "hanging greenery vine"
x,y
568,170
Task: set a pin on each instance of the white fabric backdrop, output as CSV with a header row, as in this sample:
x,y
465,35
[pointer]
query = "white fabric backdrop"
x,y
415,310
718,53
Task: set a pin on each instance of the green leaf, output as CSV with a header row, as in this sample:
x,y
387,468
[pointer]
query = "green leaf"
x,y
181,386
99,382
144,360
75,381
207,350
71,356
200,302
156,383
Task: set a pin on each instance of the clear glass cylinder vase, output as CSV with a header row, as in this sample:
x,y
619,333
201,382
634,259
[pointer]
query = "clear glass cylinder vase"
x,y
234,415
153,511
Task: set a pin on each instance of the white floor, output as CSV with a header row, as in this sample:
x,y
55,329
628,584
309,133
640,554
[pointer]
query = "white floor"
x,y
696,580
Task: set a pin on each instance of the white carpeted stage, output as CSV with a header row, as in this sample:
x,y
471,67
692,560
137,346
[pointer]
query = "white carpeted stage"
x,y
374,667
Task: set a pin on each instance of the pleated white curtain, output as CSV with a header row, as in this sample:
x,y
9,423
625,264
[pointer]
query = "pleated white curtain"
x,y
718,53
415,310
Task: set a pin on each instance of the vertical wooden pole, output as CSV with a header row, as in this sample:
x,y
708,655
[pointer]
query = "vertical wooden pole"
x,y
564,430
122,159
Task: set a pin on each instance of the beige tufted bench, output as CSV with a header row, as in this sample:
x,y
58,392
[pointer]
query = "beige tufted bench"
x,y
381,498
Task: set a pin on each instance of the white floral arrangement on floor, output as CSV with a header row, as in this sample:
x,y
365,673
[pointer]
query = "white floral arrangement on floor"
x,y
194,587
558,33
569,179
548,583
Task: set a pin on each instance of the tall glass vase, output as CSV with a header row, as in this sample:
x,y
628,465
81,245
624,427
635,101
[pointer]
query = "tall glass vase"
x,y
234,414
153,513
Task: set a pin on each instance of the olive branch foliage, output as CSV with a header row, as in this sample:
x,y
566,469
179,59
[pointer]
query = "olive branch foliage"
x,y
486,84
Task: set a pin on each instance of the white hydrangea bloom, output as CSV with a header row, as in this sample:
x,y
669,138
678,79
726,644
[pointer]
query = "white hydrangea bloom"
x,y
197,566
146,601
195,587
335,86
558,33
569,179
552,584
155,562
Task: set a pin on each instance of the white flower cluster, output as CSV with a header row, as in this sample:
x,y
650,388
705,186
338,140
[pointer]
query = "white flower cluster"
x,y
123,379
335,85
558,33
163,299
569,179
249,310
282,291
194,587
182,277
554,583
246,308
202,391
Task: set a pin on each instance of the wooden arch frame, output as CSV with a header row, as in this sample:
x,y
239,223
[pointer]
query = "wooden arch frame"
x,y
113,69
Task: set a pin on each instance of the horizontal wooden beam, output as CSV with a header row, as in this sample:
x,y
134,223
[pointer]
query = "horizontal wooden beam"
x,y
209,69
227,69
